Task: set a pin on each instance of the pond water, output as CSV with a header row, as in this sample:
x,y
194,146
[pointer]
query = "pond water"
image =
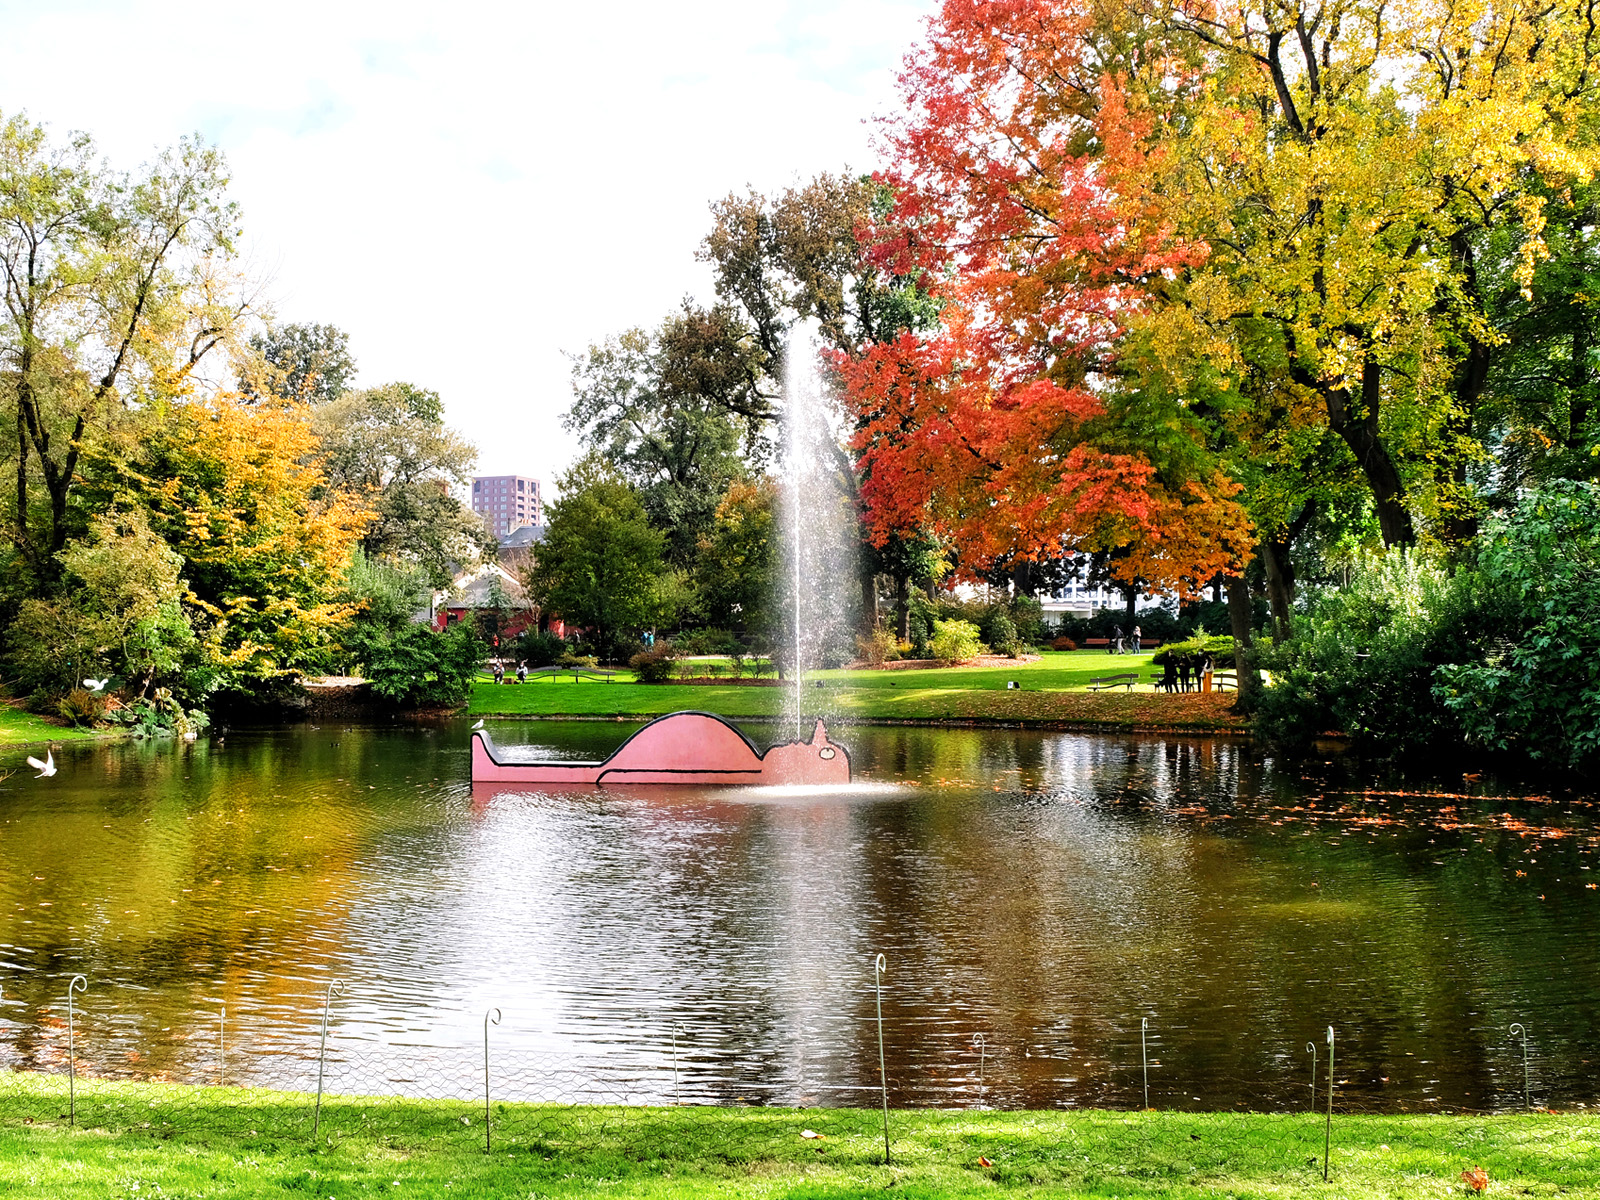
x,y
1046,891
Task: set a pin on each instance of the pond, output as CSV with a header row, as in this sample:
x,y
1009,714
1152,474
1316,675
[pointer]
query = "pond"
x,y
1043,902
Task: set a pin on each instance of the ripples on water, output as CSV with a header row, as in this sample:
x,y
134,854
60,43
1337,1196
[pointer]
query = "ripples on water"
x,y
1045,890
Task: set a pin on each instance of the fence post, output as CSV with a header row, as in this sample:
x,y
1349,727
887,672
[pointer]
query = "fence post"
x,y
983,1047
78,983
1520,1030
878,967
334,985
1311,1048
487,1021
1327,1133
1144,1058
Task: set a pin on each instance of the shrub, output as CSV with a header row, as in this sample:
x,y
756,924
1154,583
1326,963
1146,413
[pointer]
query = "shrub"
x,y
654,665
1000,632
569,658
1063,643
82,707
419,668
707,641
538,648
1220,648
955,641
877,647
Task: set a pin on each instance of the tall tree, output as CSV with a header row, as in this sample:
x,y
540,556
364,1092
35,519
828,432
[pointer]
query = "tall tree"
x,y
299,362
390,446
116,287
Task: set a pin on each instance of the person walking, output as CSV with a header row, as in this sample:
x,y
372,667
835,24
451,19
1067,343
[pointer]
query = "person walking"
x,y
1116,639
1136,637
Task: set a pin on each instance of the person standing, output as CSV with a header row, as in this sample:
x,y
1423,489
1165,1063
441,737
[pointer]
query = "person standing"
x,y
1136,636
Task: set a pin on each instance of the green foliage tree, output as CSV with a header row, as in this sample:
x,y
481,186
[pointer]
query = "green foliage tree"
x,y
600,566
418,668
738,559
311,363
389,445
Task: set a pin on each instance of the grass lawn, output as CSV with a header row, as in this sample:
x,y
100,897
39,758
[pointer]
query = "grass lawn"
x,y
153,1140
1054,691
18,727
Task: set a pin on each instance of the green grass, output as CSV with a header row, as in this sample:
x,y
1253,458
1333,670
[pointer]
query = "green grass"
x,y
20,728
152,1140
1053,691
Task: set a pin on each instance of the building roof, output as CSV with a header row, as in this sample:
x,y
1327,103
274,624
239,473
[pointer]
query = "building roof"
x,y
476,589
521,536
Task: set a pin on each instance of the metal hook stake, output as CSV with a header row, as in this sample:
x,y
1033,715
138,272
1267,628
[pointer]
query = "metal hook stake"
x,y
1311,1048
983,1047
492,1017
1327,1133
1144,1057
78,983
222,1046
1519,1030
334,985
677,1095
878,967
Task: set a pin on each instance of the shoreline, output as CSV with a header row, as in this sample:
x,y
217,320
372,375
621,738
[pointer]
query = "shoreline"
x,y
1045,724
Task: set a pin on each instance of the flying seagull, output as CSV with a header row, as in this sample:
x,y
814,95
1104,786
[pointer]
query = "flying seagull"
x,y
97,685
47,767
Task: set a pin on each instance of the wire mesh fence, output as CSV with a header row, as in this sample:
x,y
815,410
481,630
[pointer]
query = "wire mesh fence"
x,y
344,1081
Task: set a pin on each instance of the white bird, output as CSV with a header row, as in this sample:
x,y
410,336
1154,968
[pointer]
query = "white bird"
x,y
47,767
479,725
97,685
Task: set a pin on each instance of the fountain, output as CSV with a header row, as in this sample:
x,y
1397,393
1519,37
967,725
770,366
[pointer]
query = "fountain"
x,y
702,748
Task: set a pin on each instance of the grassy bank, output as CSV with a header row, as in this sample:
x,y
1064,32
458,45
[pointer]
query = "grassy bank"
x,y
19,728
138,1144
1053,691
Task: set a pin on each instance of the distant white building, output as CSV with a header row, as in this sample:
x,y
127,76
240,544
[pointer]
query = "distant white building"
x,y
507,502
1079,599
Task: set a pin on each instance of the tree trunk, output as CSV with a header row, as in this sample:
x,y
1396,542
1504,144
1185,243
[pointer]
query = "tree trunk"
x,y
869,601
1280,585
1131,592
1022,579
1244,651
1578,406
1359,429
902,604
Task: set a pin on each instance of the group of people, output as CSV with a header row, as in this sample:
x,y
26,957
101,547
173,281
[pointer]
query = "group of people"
x,y
1118,638
1184,672
498,666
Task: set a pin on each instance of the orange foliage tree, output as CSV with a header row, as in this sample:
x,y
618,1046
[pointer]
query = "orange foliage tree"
x,y
1013,430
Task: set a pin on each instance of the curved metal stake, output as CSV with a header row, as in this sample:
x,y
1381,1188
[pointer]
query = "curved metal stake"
x,y
983,1047
78,983
492,1017
1311,1048
222,1047
1144,1057
1327,1133
1519,1030
677,1096
334,985
878,967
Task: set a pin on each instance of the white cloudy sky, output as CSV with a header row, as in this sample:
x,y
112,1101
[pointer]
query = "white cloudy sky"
x,y
471,189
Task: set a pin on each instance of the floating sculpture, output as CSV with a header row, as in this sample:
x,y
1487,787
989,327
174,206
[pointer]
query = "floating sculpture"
x,y
684,747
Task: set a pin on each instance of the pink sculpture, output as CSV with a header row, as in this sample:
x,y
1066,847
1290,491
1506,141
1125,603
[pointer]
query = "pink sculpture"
x,y
684,747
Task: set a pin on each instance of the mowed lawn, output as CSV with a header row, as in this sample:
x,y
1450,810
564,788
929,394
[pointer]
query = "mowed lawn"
x,y
19,728
1054,690
159,1143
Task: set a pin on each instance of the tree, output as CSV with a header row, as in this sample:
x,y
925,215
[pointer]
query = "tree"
x,y
671,411
735,575
600,565
266,544
389,445
311,363
117,287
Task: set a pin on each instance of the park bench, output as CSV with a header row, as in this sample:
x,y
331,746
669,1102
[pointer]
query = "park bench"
x,y
1091,643
1222,680
1113,681
577,673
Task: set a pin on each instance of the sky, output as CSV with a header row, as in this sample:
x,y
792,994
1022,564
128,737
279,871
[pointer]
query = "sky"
x,y
473,191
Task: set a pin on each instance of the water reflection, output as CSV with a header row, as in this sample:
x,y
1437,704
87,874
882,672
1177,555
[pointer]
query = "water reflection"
x,y
1045,890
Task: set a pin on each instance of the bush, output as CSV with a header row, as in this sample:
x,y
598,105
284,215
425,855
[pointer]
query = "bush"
x,y
1063,643
955,641
538,648
161,716
877,647
82,707
570,658
654,665
1220,648
707,641
1000,632
419,668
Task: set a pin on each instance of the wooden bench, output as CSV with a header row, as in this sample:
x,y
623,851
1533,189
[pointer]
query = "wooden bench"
x,y
1088,643
577,673
1222,680
1113,681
